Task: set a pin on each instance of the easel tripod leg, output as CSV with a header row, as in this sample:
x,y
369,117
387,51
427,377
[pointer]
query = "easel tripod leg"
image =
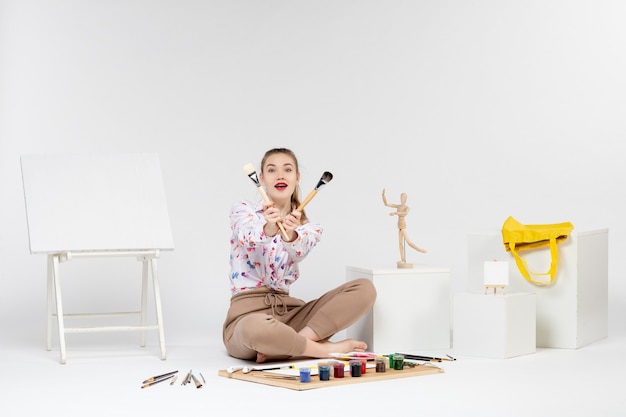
x,y
49,303
59,304
144,299
157,303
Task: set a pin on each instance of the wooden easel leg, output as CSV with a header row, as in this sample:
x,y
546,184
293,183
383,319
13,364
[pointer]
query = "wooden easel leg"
x,y
495,289
157,303
49,303
59,304
144,298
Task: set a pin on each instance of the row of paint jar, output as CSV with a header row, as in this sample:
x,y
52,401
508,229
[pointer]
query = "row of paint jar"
x,y
357,368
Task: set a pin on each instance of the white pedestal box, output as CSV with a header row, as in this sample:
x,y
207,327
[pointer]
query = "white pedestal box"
x,y
412,309
572,312
494,326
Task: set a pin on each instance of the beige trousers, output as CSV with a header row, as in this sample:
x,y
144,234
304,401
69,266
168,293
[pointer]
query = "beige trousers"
x,y
268,322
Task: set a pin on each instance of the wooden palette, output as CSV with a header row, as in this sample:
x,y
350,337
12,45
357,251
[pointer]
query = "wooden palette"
x,y
283,381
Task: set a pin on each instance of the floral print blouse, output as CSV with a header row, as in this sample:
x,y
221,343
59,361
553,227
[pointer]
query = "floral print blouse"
x,y
258,260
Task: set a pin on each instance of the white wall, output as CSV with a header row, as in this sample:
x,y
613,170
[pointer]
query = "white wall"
x,y
477,110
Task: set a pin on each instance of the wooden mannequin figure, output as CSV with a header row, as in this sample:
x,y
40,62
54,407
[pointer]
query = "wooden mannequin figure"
x,y
401,211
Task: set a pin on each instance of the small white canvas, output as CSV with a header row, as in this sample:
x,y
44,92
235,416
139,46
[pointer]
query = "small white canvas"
x,y
496,273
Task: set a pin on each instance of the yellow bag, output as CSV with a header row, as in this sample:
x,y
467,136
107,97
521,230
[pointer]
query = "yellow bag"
x,y
517,237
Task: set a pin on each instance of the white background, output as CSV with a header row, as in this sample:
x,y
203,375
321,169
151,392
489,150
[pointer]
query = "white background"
x,y
477,110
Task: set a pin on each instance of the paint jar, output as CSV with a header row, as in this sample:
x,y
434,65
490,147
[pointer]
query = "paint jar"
x,y
355,368
324,372
398,362
338,369
305,374
380,365
363,365
390,357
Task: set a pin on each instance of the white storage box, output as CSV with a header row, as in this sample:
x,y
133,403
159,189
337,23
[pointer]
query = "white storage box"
x,y
412,309
572,312
494,326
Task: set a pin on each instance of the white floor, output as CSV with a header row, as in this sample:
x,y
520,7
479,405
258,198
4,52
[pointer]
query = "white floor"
x,y
102,378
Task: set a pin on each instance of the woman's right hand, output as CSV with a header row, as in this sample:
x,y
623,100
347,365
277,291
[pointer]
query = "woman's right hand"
x,y
272,217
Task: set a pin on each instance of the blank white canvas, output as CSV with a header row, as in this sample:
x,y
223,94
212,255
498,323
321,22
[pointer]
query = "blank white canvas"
x,y
84,202
496,273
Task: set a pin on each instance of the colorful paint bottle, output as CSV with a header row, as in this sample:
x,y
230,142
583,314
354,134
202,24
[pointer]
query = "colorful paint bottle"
x,y
338,369
363,366
324,372
398,362
380,365
305,374
355,368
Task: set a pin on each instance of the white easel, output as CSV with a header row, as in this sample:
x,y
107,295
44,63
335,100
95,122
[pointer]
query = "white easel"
x,y
97,206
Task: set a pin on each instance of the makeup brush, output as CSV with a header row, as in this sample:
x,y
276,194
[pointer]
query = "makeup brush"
x,y
326,177
154,378
156,381
195,380
250,171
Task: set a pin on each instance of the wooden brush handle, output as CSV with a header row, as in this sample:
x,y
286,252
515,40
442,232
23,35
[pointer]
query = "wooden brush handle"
x,y
263,194
280,225
307,200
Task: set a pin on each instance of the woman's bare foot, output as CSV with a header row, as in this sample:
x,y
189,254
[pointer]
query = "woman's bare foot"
x,y
316,349
325,349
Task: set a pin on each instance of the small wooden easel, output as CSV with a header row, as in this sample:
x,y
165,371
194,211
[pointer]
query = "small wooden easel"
x,y
496,275
495,289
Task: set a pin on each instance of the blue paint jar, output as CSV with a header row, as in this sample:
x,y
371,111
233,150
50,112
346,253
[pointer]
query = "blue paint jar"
x,y
305,374
324,372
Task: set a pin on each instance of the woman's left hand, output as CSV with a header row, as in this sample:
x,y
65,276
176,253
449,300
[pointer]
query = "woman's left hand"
x,y
290,223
